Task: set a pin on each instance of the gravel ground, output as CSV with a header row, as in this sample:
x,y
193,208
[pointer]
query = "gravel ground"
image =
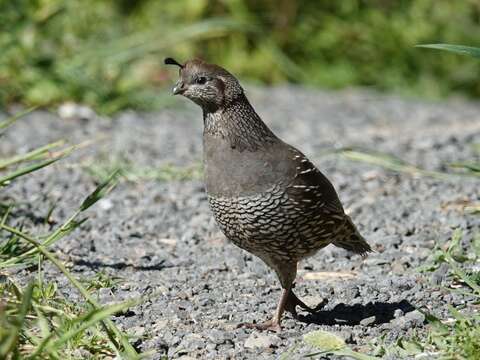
x,y
160,238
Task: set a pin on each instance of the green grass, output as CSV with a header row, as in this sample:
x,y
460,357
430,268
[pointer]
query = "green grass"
x,y
132,172
458,49
108,54
459,338
393,163
36,321
101,280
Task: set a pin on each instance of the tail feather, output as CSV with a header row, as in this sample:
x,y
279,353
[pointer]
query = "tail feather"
x,y
350,239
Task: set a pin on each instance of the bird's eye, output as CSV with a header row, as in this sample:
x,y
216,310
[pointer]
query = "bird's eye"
x,y
201,80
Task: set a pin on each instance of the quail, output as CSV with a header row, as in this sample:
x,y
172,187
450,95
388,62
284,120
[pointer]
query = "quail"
x,y
265,195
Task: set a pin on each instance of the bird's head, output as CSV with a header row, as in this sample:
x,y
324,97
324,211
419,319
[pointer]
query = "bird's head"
x,y
208,85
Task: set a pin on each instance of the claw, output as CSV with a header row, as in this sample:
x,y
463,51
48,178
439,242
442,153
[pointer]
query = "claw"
x,y
288,301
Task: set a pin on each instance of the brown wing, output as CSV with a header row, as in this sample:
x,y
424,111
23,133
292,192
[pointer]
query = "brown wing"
x,y
310,189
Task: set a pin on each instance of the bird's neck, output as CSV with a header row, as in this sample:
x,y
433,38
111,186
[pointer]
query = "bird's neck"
x,y
239,124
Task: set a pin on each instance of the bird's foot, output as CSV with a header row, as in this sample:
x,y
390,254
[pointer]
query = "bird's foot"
x,y
269,325
293,301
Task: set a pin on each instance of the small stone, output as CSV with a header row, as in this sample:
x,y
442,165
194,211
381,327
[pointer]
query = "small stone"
x,y
81,353
368,321
192,342
415,317
216,336
397,267
105,294
160,324
105,204
398,313
399,323
167,241
260,341
137,331
70,110
247,275
313,300
210,347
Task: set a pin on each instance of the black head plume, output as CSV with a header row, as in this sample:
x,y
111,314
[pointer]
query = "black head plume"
x,y
171,61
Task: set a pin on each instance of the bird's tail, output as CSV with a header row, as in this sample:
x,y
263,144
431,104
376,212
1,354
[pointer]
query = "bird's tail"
x,y
350,239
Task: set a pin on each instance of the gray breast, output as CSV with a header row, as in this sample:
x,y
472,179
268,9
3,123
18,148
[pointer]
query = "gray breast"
x,y
233,173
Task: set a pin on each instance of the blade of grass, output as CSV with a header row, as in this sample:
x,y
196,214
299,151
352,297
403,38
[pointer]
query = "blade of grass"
x,y
12,340
32,155
383,160
458,49
63,230
6,214
101,190
71,223
37,166
450,259
26,170
393,163
472,167
43,308
8,122
44,151
96,315
460,273
131,172
42,324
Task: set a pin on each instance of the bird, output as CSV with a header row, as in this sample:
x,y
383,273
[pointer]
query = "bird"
x,y
266,196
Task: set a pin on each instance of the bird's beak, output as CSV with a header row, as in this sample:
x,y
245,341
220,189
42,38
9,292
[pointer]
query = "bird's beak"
x,y
179,88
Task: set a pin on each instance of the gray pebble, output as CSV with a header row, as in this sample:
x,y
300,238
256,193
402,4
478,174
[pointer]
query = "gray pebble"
x,y
263,341
368,321
160,238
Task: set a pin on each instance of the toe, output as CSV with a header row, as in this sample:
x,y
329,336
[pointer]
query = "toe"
x,y
264,326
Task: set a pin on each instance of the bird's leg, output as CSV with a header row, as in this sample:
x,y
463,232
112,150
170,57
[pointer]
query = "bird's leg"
x,y
293,301
274,323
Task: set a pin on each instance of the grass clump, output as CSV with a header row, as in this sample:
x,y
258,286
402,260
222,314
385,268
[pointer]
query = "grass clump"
x,y
459,336
36,321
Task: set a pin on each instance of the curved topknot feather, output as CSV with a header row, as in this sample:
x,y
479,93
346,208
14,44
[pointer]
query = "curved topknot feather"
x,y
172,61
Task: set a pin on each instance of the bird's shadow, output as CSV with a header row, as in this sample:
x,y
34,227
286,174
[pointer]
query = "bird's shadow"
x,y
343,314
